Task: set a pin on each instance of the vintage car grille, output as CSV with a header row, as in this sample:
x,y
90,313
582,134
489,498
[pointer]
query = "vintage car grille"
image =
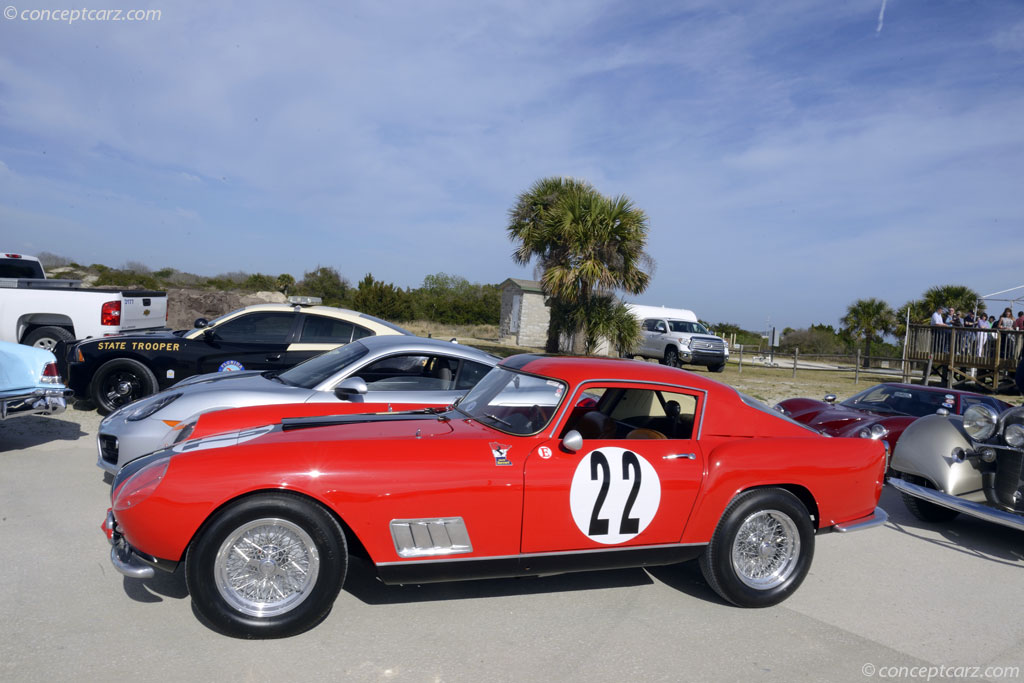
x,y
715,345
1008,474
108,448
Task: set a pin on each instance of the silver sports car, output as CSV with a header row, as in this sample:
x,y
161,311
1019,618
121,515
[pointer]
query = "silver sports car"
x,y
374,370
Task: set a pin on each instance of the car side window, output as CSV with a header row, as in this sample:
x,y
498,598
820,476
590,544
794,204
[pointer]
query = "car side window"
x,y
650,324
321,329
410,372
635,414
471,373
261,327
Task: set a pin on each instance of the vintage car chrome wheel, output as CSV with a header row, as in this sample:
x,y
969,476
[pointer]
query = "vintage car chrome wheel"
x,y
765,549
761,550
268,566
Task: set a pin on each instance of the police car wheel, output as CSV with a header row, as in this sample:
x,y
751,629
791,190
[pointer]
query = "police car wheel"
x,y
119,382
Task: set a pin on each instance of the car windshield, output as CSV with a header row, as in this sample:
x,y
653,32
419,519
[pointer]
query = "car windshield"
x,y
686,326
887,398
312,372
513,402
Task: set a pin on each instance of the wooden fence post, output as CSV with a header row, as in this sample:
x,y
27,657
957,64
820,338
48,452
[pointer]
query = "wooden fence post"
x,y
796,354
856,369
741,359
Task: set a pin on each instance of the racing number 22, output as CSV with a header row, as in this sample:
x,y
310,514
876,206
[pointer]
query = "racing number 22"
x,y
600,470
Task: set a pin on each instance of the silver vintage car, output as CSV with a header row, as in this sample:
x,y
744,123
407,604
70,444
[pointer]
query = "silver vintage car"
x,y
945,465
378,371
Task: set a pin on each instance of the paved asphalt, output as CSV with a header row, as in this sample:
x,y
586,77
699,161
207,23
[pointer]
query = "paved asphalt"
x,y
897,602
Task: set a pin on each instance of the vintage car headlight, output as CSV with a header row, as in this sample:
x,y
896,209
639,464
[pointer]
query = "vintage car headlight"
x,y
1014,435
148,408
875,431
980,422
141,485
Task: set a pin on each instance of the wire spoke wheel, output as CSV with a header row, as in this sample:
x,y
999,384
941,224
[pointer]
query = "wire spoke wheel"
x,y
266,567
766,549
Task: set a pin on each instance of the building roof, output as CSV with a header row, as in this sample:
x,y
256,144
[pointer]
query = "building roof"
x,y
525,285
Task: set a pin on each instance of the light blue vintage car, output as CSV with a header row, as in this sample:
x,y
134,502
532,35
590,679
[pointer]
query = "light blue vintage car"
x,y
29,382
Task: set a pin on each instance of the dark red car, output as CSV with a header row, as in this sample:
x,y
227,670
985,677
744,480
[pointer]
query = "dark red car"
x,y
883,411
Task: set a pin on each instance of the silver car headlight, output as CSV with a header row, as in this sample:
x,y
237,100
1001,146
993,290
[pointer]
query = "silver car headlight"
x,y
875,431
1014,435
980,422
146,409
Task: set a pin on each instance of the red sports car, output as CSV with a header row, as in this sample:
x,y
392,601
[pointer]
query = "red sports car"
x,y
547,465
883,411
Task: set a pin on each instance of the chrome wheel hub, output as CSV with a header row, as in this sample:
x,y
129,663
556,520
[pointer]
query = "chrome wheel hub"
x,y
266,567
766,549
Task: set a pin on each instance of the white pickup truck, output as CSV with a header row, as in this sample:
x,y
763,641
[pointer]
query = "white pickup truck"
x,y
41,312
674,336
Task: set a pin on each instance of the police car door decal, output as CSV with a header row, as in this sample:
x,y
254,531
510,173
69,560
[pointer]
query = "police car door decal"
x,y
615,494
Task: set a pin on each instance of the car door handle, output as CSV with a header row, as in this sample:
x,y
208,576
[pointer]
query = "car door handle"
x,y
275,356
677,456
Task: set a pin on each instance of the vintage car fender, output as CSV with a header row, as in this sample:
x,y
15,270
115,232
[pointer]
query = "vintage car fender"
x,y
934,448
833,490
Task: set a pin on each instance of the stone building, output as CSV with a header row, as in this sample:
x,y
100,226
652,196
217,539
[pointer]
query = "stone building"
x,y
524,313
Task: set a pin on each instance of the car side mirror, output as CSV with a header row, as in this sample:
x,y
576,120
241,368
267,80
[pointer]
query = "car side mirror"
x,y
209,334
573,441
200,322
829,398
348,388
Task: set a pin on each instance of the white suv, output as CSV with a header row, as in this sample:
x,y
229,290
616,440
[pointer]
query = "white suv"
x,y
672,341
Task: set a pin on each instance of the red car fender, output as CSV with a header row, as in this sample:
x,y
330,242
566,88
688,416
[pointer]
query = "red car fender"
x,y
839,475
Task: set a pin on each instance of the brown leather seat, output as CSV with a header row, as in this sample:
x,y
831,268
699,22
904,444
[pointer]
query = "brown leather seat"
x,y
596,425
643,433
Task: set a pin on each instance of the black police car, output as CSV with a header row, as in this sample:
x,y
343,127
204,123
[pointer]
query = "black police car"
x,y
114,371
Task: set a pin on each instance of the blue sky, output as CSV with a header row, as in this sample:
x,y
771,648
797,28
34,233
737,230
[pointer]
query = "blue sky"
x,y
792,156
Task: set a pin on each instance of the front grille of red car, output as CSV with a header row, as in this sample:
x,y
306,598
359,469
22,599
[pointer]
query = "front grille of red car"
x,y
108,448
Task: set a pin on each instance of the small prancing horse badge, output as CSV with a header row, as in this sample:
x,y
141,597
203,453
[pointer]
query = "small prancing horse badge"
x,y
500,452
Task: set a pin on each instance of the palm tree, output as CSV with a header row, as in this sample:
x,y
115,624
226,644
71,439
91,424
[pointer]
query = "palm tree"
x,y
958,296
871,318
587,247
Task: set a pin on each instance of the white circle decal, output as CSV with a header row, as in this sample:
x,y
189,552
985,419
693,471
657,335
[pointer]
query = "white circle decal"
x,y
614,496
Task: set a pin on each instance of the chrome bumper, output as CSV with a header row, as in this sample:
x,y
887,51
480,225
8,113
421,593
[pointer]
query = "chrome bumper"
x,y
38,402
967,507
876,518
122,556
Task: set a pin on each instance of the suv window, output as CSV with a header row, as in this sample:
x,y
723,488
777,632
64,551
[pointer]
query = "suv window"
x,y
320,329
654,325
261,327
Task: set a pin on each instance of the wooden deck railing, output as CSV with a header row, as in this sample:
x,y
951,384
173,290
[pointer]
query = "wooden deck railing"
x,y
955,351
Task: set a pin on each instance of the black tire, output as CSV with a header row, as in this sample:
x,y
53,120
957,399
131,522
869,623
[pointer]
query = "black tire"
x,y
717,368
751,515
120,381
47,337
316,558
928,512
671,357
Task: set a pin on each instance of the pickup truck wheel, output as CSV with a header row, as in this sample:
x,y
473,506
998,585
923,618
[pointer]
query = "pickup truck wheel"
x,y
761,550
47,337
268,566
671,358
119,382
720,367
928,512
